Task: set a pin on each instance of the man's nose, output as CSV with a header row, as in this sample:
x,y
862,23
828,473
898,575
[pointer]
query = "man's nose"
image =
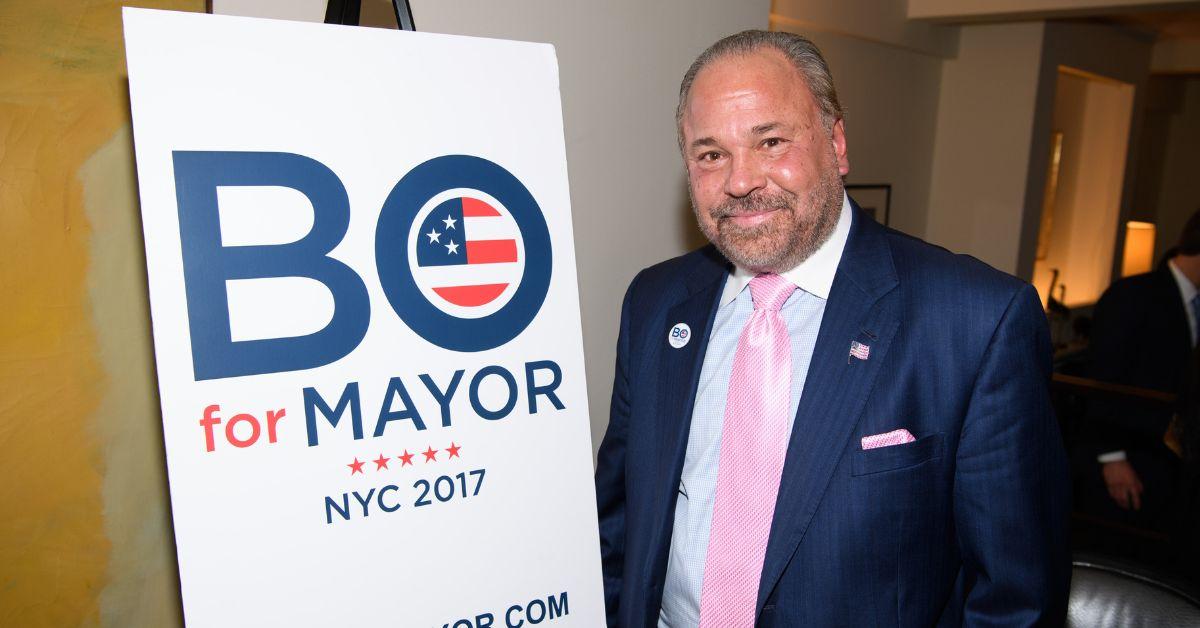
x,y
745,176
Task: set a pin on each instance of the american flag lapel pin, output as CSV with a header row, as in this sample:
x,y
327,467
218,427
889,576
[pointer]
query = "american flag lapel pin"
x,y
859,350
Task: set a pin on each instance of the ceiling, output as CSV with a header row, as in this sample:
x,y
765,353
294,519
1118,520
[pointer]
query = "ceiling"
x,y
1164,24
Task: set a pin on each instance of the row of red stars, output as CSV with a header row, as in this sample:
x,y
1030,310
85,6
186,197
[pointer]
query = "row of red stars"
x,y
381,462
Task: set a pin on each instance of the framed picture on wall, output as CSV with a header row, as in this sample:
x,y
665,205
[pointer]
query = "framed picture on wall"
x,y
875,199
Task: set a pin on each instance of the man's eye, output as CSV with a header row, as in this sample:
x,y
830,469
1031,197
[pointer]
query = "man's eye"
x,y
710,156
772,142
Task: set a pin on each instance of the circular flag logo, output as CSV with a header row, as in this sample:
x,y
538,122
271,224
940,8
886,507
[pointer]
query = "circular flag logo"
x,y
468,251
463,252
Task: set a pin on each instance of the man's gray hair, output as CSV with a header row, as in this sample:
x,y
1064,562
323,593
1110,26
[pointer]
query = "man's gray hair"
x,y
804,55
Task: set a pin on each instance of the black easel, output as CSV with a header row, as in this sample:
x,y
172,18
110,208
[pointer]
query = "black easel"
x,y
404,15
347,12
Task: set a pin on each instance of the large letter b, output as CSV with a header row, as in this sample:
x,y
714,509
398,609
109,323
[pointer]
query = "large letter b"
x,y
207,265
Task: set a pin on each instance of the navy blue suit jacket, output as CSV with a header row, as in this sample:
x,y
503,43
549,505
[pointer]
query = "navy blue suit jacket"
x,y
964,526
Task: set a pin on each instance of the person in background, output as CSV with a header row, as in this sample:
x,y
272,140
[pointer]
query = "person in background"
x,y
1144,331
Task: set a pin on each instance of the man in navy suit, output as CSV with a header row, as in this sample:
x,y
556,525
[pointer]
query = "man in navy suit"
x,y
903,468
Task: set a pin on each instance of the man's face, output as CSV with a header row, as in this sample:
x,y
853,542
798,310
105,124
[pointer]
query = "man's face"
x,y
764,173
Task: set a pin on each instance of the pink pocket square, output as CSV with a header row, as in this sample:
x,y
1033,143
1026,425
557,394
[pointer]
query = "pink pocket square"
x,y
895,437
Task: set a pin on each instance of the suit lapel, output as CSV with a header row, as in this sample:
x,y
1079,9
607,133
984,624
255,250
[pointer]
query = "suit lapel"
x,y
678,377
835,389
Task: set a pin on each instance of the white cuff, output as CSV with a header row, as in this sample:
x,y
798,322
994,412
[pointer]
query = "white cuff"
x,y
1112,456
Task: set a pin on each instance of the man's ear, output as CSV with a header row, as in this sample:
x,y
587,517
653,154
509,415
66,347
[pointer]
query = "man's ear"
x,y
839,147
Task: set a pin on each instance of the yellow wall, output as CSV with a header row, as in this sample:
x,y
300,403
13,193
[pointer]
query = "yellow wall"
x,y
1093,115
84,534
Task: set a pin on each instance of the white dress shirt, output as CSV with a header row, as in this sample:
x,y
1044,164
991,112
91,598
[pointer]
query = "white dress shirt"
x,y
698,483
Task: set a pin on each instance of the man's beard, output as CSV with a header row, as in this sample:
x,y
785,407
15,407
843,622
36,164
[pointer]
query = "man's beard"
x,y
793,232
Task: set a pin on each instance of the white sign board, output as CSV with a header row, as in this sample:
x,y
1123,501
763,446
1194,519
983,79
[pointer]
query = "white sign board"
x,y
366,325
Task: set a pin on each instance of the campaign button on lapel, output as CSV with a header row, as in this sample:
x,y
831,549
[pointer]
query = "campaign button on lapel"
x,y
679,335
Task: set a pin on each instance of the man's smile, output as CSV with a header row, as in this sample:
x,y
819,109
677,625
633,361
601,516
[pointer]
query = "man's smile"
x,y
748,219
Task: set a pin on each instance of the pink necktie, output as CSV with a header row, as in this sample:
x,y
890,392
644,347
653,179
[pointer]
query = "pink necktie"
x,y
753,445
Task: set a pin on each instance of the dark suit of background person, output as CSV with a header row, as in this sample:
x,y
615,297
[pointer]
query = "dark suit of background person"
x,y
966,525
1185,441
1140,337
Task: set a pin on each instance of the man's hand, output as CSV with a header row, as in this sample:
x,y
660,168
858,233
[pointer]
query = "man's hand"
x,y
1124,485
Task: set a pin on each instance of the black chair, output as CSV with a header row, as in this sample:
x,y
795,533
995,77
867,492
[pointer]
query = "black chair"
x,y
1108,594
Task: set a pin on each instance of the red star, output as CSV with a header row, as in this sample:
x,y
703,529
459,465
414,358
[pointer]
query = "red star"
x,y
380,462
453,449
406,459
430,454
356,466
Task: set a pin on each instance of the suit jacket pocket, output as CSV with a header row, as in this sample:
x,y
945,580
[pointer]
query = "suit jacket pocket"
x,y
895,457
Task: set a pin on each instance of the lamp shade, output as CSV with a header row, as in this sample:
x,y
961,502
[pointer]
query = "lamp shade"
x,y
1139,248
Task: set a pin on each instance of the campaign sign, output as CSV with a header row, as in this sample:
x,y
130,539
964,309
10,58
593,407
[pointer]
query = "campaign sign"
x,y
366,325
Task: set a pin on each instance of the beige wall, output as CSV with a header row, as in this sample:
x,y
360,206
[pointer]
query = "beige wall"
x,y
958,118
1171,151
890,97
984,129
1028,9
995,119
879,21
300,10
1176,56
